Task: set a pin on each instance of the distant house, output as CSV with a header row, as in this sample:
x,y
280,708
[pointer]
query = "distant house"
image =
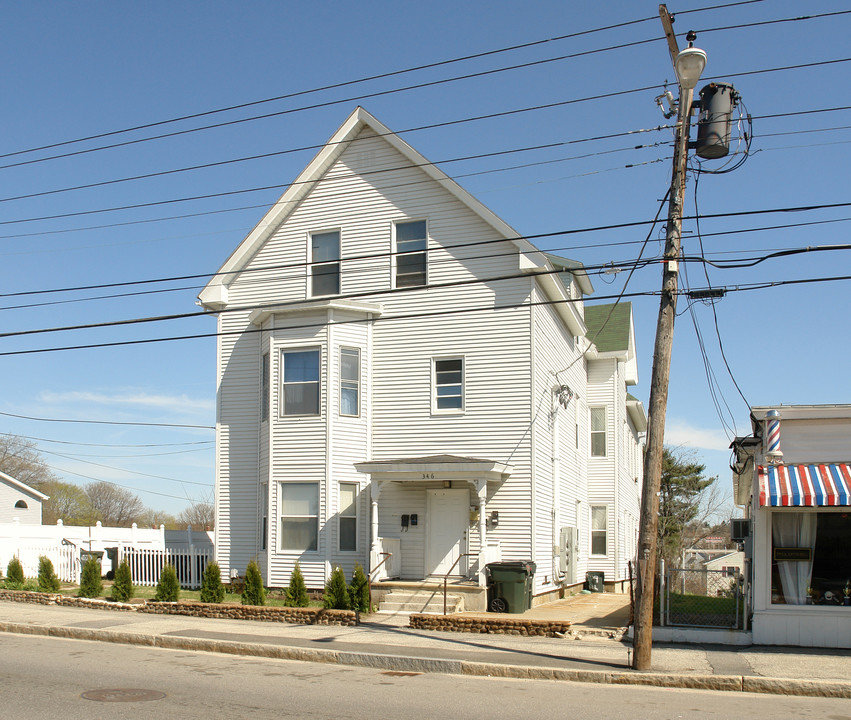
x,y
798,498
405,382
19,501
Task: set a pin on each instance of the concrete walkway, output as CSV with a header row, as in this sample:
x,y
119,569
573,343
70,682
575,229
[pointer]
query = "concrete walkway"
x,y
385,642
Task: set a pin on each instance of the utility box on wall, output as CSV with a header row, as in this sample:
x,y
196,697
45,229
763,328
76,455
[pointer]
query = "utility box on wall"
x,y
568,553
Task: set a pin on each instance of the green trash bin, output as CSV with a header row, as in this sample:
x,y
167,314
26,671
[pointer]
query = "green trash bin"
x,y
510,585
594,582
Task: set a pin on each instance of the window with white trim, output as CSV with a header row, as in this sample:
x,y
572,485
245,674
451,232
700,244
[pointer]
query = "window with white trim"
x,y
411,240
300,387
299,516
348,517
598,431
448,384
325,263
350,382
264,515
599,529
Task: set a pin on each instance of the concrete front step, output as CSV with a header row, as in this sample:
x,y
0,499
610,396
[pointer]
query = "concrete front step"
x,y
425,602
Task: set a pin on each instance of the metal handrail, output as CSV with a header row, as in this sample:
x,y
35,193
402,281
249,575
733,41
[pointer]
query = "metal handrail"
x,y
371,577
446,577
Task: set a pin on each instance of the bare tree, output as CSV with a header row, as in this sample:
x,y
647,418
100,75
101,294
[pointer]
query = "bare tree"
x,y
66,502
20,459
200,516
154,518
111,504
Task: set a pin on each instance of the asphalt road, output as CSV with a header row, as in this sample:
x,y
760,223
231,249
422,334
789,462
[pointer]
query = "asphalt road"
x,y
47,677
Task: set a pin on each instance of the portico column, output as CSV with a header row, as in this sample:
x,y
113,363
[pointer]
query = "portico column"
x,y
482,493
374,493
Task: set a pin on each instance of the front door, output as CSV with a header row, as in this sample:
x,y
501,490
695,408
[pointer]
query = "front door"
x,y
446,537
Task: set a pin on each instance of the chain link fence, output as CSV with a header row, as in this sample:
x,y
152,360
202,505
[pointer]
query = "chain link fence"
x,y
702,598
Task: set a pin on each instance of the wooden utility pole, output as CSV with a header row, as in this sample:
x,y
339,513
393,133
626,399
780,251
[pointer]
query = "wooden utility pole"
x,y
643,624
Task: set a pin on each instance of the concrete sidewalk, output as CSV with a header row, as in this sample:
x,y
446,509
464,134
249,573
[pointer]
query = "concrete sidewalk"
x,y
385,642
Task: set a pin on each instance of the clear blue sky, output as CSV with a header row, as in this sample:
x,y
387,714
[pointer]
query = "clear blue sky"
x,y
72,70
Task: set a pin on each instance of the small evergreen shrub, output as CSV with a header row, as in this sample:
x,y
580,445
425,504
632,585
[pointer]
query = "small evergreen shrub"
x,y
91,585
122,586
15,572
168,588
336,592
47,579
254,592
212,590
297,590
359,590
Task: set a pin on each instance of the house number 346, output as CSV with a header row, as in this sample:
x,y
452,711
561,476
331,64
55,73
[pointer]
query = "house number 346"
x,y
428,476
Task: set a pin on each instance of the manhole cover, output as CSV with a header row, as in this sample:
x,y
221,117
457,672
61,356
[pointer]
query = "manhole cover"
x,y
123,695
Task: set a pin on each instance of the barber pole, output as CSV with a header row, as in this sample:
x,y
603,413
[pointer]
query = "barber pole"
x,y
773,453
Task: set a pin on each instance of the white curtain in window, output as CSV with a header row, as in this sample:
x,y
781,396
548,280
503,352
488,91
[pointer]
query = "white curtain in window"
x,y
795,530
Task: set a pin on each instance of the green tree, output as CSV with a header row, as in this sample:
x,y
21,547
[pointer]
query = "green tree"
x,y
168,588
212,590
122,586
47,579
254,593
683,488
336,592
91,585
297,590
359,590
15,571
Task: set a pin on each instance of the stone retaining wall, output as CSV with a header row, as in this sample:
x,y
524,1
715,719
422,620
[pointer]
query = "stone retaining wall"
x,y
295,616
496,624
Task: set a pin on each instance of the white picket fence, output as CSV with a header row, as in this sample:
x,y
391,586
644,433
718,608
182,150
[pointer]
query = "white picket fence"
x,y
146,564
65,559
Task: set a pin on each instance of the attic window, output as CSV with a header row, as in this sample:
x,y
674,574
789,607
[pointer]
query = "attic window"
x,y
21,504
411,246
325,267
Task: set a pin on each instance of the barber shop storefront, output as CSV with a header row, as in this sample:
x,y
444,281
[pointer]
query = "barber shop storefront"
x,y
801,549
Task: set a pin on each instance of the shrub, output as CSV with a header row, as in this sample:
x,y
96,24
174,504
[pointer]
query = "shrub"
x,y
122,586
359,590
254,592
15,572
47,580
168,588
212,590
91,585
336,592
297,590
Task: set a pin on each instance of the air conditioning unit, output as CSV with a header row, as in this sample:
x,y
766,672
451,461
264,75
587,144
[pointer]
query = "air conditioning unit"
x,y
740,529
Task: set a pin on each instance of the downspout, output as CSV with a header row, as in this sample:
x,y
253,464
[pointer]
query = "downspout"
x,y
556,471
532,455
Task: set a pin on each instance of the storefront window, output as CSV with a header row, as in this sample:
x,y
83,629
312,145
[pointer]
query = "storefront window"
x,y
810,563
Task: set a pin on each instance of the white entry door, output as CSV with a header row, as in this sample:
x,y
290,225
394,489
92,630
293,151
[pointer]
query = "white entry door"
x,y
448,519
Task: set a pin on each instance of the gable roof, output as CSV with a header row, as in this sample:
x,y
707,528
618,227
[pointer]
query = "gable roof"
x,y
609,326
23,487
214,294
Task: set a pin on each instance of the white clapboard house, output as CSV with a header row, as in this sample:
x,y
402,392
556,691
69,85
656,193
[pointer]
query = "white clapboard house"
x,y
403,382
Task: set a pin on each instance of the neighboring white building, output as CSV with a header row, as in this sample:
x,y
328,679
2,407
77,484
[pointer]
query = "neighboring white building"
x,y
399,371
797,496
18,500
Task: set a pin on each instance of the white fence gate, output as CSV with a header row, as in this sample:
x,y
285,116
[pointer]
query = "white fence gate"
x,y
65,559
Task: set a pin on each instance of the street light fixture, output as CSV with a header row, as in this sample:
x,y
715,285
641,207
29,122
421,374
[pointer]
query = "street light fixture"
x,y
689,65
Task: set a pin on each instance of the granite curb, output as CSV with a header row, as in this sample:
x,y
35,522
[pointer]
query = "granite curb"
x,y
407,663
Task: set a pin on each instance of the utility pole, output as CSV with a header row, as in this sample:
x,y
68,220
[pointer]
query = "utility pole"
x,y
643,622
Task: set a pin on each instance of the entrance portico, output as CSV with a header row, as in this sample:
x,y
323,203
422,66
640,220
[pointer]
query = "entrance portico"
x,y
429,516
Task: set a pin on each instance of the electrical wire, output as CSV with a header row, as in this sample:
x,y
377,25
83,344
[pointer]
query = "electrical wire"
x,y
106,422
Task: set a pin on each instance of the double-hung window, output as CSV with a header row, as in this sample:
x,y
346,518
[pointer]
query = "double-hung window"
x,y
350,381
411,253
599,529
301,382
299,516
598,432
348,517
449,385
264,387
325,263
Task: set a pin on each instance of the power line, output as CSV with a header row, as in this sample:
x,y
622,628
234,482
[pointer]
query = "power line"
x,y
111,445
108,422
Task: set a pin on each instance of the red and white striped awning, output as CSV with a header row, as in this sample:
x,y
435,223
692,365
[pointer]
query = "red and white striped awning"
x,y
805,485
